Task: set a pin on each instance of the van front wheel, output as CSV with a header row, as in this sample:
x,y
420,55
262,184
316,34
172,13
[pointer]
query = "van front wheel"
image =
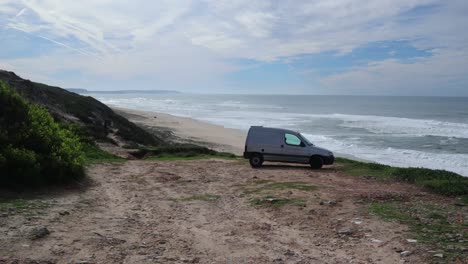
x,y
316,162
256,160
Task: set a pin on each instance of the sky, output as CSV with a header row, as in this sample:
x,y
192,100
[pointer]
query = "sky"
x,y
379,47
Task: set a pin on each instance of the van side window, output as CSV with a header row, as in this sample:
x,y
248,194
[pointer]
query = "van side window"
x,y
291,139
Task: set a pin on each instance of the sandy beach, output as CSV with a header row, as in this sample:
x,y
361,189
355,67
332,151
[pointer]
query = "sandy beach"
x,y
190,130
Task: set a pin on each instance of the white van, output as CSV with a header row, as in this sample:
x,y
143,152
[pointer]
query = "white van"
x,y
276,144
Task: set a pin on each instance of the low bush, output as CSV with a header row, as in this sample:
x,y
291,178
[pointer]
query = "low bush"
x,y
34,149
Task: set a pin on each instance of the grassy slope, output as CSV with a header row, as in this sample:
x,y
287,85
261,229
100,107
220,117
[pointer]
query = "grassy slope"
x,y
180,151
93,154
438,181
437,224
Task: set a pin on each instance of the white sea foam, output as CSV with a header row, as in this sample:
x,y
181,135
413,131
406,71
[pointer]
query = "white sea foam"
x,y
400,125
395,157
239,105
380,125
158,105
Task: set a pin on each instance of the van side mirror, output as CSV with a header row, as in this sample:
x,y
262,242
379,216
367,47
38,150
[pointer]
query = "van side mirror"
x,y
302,144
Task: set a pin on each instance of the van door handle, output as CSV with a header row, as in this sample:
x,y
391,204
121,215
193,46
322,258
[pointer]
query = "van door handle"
x,y
282,146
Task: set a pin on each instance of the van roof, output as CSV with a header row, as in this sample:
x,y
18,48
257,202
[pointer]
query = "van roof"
x,y
274,128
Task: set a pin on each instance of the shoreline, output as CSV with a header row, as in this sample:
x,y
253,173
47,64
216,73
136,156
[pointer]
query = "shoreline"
x,y
190,130
215,136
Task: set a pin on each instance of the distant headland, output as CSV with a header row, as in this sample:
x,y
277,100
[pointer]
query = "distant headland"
x,y
85,91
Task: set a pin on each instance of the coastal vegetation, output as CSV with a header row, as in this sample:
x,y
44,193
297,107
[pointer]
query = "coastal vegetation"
x,y
176,151
34,149
93,154
37,149
438,181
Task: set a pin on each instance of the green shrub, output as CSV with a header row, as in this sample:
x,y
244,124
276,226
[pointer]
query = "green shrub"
x,y
34,149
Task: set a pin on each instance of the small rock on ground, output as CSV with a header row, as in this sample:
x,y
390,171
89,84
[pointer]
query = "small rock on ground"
x,y
39,232
346,231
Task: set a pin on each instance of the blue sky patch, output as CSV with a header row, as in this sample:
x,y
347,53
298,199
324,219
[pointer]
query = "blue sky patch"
x,y
326,63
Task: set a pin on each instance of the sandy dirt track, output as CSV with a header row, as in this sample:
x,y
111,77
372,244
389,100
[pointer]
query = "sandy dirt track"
x,y
200,211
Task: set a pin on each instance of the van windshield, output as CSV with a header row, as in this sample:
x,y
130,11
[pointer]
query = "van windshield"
x,y
306,140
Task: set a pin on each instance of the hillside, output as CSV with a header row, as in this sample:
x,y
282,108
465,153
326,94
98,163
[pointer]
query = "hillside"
x,y
99,121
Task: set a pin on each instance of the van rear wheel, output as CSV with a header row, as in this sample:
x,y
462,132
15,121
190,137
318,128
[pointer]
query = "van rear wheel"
x,y
316,162
256,160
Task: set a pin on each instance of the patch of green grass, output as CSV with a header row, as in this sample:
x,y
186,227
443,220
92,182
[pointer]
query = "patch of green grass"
x,y
358,168
435,216
93,154
464,199
199,197
21,205
259,181
438,181
276,202
388,211
441,227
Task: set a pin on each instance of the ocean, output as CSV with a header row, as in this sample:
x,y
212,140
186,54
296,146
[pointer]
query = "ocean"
x,y
429,132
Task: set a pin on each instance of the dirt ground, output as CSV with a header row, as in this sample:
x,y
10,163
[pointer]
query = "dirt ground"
x,y
209,211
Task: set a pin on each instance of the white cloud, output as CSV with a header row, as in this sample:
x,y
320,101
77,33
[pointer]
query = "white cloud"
x,y
257,24
200,39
